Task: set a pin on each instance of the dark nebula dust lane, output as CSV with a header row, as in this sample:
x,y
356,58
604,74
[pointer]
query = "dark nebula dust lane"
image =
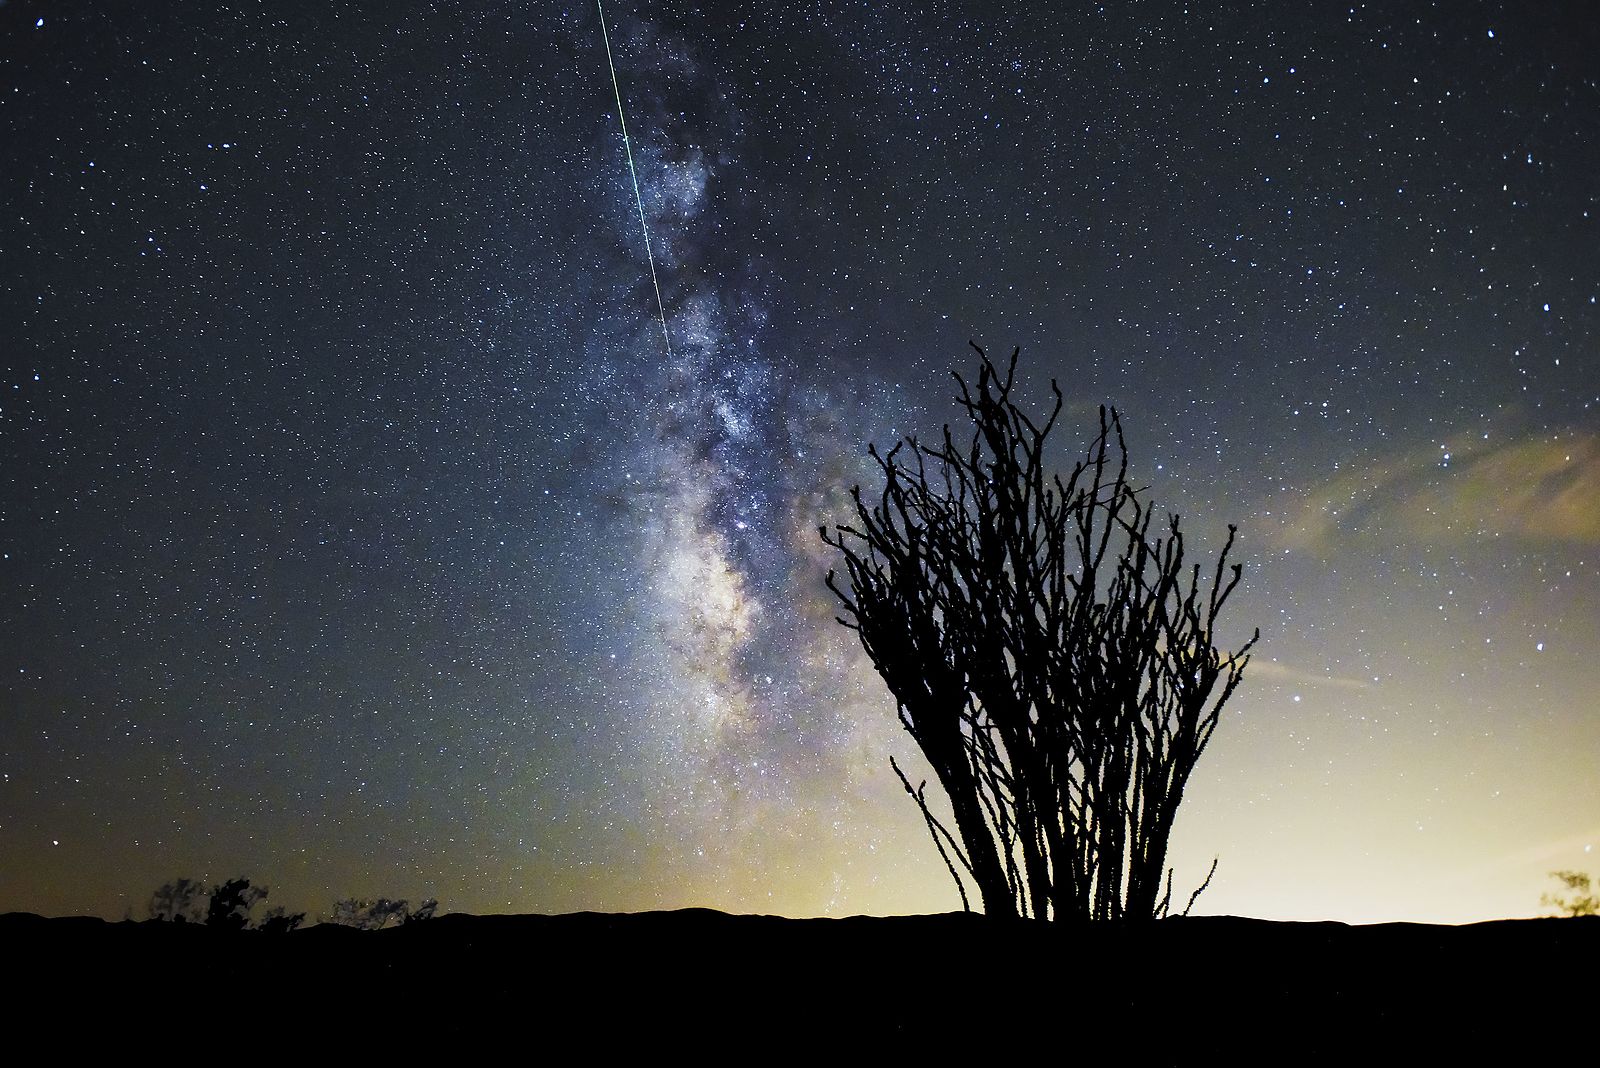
x,y
361,532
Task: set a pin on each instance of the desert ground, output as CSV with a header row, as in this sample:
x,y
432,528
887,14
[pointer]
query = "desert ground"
x,y
753,988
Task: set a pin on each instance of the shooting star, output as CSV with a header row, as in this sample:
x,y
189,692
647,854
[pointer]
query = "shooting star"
x,y
633,172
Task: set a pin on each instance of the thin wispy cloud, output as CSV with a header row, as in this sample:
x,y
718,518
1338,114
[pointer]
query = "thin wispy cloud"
x,y
1288,674
1540,489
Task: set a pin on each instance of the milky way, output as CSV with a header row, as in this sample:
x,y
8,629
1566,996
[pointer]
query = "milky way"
x,y
747,702
359,534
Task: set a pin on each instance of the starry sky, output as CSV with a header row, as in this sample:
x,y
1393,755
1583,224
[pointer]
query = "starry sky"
x,y
360,532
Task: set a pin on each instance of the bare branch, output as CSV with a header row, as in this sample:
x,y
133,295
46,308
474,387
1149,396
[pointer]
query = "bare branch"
x,y
1051,649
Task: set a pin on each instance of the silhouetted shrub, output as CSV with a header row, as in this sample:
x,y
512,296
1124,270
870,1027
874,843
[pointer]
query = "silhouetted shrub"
x,y
278,921
231,903
226,906
384,912
180,901
1051,650
1580,899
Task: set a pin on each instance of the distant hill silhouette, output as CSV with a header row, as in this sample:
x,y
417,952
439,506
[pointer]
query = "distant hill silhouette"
x,y
699,980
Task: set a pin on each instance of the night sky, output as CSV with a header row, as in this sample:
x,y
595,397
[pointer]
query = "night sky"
x,y
359,533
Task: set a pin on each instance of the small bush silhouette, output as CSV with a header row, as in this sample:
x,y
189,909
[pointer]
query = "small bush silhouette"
x,y
231,903
229,906
1580,898
180,901
384,912
226,906
279,921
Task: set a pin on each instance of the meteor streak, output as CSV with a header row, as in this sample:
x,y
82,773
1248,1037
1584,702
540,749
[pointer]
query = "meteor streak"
x,y
661,305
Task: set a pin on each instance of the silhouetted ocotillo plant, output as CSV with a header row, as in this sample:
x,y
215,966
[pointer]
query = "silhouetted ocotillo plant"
x,y
1051,650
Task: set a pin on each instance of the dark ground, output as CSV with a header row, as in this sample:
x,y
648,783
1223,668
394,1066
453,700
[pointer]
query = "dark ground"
x,y
757,988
